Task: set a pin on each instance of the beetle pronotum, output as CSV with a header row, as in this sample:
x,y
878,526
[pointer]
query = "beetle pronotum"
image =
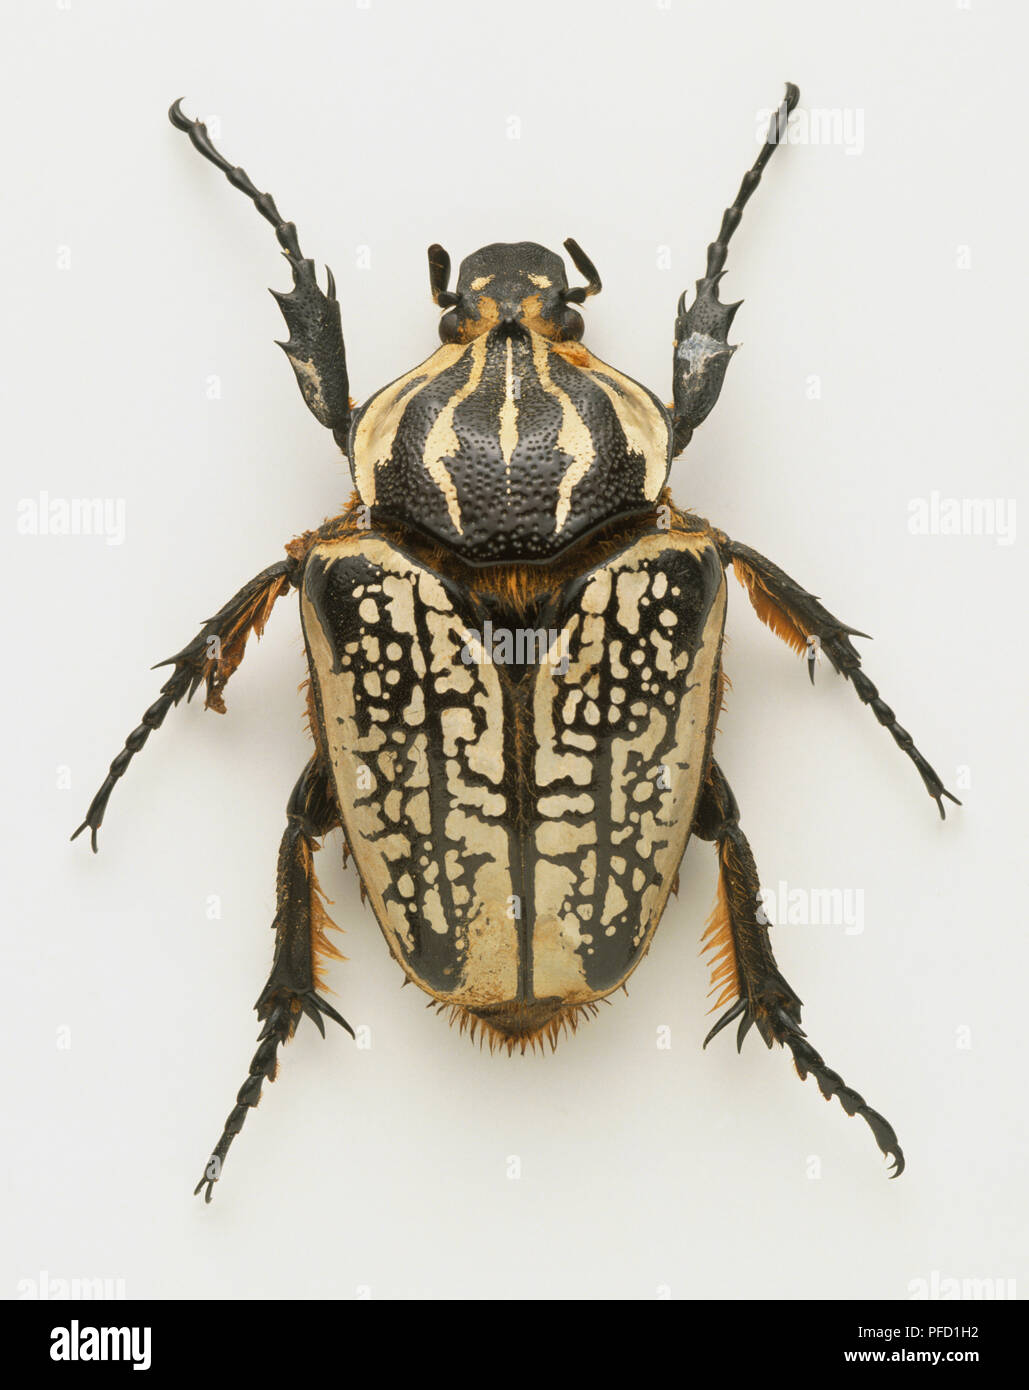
x,y
515,648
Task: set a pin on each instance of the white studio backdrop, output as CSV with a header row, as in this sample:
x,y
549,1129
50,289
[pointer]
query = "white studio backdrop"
x,y
881,378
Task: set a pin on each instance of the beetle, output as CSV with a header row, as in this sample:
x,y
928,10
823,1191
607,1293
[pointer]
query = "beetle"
x,y
514,639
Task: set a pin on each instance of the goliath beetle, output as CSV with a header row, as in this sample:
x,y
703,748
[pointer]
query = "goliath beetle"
x,y
517,817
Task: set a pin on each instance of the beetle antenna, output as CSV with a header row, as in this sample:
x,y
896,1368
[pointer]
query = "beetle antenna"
x,y
439,277
585,267
732,216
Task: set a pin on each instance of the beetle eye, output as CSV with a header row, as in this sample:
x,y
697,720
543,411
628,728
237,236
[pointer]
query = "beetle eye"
x,y
449,328
571,325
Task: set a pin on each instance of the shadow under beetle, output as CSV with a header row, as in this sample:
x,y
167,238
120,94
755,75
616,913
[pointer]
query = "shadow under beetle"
x,y
517,808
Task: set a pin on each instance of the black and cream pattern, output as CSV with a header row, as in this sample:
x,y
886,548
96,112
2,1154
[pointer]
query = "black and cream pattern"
x,y
510,447
517,830
514,674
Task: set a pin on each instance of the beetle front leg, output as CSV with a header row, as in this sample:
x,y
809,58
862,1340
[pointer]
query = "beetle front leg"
x,y
315,346
300,943
702,349
744,966
210,658
800,620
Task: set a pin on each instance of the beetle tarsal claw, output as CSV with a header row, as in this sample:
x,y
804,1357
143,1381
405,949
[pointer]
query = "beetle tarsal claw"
x,y
788,1022
314,1006
731,1013
746,1024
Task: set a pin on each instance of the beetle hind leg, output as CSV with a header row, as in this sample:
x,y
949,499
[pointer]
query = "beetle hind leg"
x,y
743,963
300,943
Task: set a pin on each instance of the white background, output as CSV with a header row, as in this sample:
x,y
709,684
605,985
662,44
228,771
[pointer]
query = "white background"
x,y
387,127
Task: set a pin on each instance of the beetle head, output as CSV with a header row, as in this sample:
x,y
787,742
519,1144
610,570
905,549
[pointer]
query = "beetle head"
x,y
511,283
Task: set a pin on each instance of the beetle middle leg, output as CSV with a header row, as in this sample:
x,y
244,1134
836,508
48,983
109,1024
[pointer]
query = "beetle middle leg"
x,y
209,659
745,966
300,941
800,620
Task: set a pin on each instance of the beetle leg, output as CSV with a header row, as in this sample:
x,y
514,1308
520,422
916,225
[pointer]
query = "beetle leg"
x,y
315,347
702,350
300,943
800,620
745,966
210,659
